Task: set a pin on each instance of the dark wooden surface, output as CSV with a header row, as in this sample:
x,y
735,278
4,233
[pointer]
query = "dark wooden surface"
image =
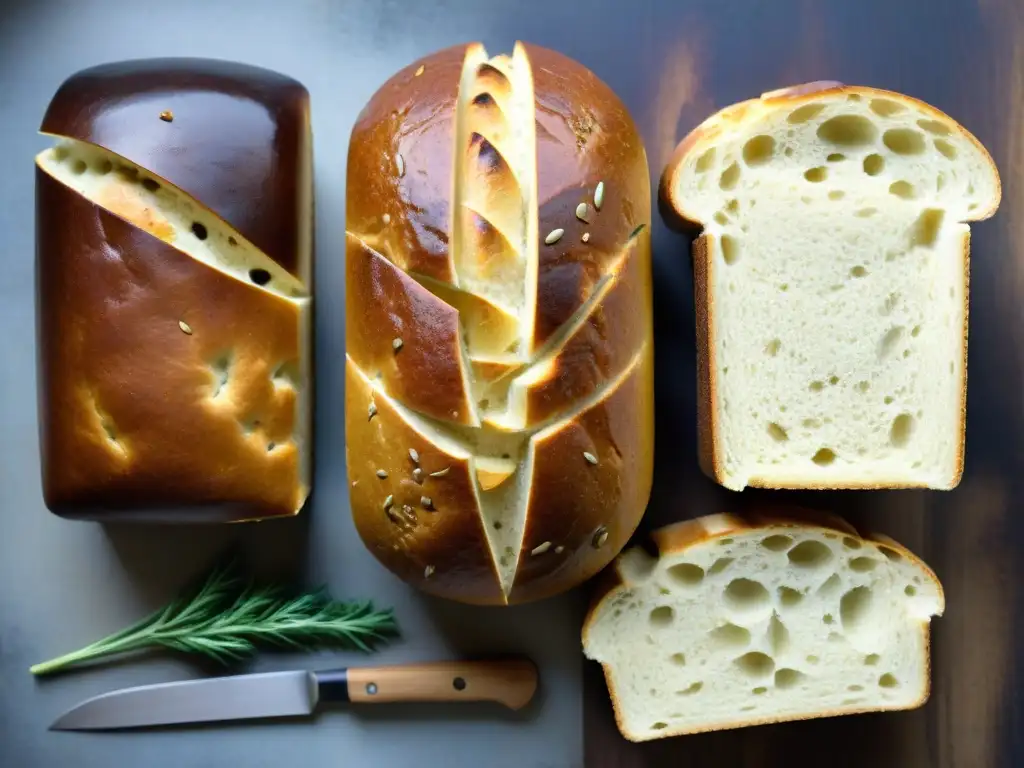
x,y
675,64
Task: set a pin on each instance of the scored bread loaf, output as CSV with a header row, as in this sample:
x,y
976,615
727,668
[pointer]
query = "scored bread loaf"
x,y
498,325
831,286
174,226
776,617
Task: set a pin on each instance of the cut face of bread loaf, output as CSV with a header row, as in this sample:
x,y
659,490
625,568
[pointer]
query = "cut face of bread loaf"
x,y
740,623
498,324
831,287
174,347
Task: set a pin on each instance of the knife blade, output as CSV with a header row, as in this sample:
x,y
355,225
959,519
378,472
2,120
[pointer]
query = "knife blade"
x,y
299,693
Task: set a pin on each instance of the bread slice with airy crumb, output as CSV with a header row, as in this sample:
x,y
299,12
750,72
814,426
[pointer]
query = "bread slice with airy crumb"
x,y
743,622
831,284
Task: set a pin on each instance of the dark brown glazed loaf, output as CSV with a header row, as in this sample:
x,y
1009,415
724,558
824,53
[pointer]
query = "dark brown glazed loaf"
x,y
173,257
499,402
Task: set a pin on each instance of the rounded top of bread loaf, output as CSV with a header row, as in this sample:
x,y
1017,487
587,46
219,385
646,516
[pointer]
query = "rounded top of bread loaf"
x,y
231,135
838,118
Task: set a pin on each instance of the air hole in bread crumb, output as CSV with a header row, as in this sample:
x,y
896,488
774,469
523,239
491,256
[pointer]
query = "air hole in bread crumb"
x,y
678,659
890,341
104,167
777,433
851,543
815,175
873,165
777,543
910,590
788,678
259,276
691,689
720,218
804,113
811,423
901,430
772,347
854,688
789,597
662,616
835,157
888,680
885,107
730,249
151,185
730,176
731,635
759,690
79,167
946,149
719,565
871,659
858,271
836,194
816,386
828,620
755,664
812,659
658,726
855,608
199,230
848,130
746,595
935,126
888,400
705,161
904,141
823,457
687,574
725,542
902,189
830,586
833,380
863,564
864,213
758,150
925,230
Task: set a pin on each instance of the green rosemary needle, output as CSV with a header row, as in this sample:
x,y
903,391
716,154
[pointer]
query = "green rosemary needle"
x,y
228,618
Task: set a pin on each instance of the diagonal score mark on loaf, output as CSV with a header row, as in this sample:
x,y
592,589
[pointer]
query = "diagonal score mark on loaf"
x,y
161,210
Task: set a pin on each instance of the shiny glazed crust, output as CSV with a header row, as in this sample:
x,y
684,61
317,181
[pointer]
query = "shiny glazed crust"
x,y
580,380
171,390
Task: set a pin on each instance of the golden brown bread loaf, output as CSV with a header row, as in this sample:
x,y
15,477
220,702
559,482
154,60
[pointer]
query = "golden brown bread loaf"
x,y
174,226
499,402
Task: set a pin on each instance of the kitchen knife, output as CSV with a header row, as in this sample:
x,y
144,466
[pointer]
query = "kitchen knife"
x,y
299,693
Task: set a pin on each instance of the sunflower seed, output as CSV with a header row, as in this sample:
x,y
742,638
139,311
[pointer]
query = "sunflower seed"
x,y
185,327
396,344
386,218
400,164
586,237
167,116
554,236
441,472
417,475
591,458
583,212
429,570
420,70
414,455
600,537
388,502
372,411
381,474
427,502
559,549
599,195
540,549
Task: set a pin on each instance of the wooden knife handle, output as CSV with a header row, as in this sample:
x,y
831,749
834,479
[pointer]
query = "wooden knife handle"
x,y
509,682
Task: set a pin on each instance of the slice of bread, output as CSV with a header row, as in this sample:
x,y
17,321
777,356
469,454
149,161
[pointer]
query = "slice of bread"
x,y
742,622
831,286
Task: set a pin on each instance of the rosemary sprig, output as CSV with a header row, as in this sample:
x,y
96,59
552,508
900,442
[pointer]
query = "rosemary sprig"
x,y
229,617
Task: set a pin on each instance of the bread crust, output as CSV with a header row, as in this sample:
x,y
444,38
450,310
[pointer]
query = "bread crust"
x,y
135,422
678,537
167,387
595,394
238,140
710,449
